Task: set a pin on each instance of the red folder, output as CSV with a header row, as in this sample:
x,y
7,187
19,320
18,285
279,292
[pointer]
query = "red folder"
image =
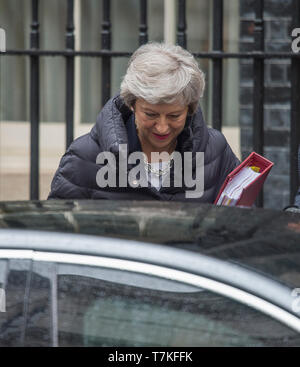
x,y
250,192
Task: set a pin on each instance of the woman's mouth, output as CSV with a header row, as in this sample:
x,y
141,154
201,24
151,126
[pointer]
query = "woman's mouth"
x,y
161,137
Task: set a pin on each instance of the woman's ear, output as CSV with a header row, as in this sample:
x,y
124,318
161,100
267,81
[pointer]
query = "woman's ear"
x,y
132,107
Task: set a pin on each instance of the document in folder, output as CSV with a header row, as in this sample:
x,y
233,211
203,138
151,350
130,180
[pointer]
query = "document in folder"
x,y
244,183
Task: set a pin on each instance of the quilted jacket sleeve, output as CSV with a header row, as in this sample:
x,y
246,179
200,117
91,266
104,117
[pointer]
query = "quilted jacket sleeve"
x,y
62,186
75,177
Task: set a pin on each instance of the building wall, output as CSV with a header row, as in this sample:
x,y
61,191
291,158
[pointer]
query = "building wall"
x,y
277,17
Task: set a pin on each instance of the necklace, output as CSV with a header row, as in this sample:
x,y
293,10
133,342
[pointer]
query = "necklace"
x,y
159,172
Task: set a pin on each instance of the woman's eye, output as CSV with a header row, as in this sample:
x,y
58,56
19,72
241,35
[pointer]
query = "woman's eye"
x,y
174,116
152,115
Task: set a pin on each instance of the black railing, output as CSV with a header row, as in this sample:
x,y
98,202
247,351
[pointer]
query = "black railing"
x,y
143,36
106,46
181,23
216,55
70,43
34,103
295,110
217,65
258,101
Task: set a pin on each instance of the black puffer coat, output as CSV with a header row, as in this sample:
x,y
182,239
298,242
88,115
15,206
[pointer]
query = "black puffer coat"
x,y
75,177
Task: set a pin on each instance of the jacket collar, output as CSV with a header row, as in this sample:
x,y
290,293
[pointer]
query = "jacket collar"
x,y
134,144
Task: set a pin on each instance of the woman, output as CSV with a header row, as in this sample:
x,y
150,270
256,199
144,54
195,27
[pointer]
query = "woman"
x,y
157,110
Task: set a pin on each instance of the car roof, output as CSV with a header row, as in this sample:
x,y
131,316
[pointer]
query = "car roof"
x,y
263,239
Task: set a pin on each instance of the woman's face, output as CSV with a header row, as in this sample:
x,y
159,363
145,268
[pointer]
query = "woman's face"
x,y
159,125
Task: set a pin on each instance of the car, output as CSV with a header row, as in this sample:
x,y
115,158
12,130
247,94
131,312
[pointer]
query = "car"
x,y
66,289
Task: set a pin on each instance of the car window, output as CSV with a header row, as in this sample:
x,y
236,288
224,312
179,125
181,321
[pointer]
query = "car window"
x,y
284,267
86,310
93,312
14,281
75,305
127,278
41,305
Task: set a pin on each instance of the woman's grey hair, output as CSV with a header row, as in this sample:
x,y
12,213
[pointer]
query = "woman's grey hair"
x,y
162,73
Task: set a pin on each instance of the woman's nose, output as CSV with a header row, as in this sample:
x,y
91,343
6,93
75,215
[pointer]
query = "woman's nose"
x,y
162,126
